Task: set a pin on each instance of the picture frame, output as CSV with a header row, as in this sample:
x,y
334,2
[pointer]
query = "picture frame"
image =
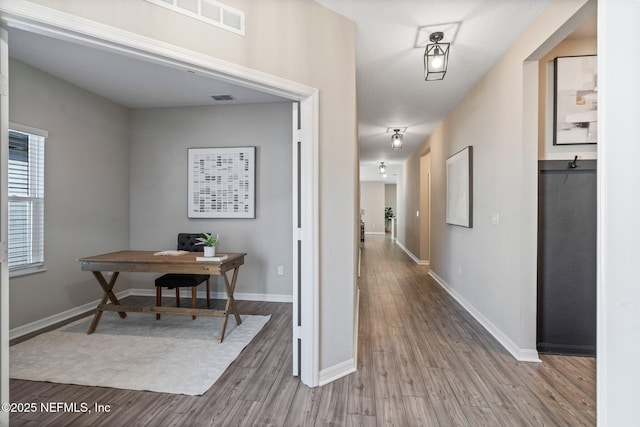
x,y
459,188
575,106
221,182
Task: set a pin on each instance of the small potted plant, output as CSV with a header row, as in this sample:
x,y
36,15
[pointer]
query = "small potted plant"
x,y
209,242
388,215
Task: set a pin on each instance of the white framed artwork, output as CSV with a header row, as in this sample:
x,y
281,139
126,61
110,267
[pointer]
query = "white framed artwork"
x,y
575,106
221,182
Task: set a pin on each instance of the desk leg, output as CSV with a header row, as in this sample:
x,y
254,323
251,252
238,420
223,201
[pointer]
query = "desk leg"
x,y
231,302
108,295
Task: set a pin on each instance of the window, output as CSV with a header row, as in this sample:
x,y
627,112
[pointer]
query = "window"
x,y
26,199
210,11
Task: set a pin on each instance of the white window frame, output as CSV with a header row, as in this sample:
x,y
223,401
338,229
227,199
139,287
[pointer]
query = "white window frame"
x,y
37,242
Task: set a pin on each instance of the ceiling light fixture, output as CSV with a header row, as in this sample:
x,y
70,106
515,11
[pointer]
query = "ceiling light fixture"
x,y
396,140
382,168
436,57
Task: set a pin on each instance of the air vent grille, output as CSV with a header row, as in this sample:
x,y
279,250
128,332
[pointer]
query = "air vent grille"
x,y
210,11
222,97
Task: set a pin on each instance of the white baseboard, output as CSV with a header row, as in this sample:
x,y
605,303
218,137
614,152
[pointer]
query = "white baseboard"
x,y
73,312
411,255
356,324
336,372
60,317
521,354
239,296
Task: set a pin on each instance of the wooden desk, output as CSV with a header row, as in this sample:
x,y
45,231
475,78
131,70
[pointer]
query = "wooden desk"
x,y
146,262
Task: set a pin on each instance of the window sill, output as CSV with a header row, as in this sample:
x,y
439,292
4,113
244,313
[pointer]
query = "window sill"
x,y
26,272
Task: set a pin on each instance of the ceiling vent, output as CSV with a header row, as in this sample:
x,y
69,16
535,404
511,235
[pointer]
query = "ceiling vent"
x,y
222,97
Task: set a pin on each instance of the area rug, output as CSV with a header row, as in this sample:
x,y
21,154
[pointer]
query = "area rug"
x,y
172,355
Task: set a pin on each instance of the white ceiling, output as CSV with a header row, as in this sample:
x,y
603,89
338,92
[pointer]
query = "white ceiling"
x,y
390,72
391,91
128,81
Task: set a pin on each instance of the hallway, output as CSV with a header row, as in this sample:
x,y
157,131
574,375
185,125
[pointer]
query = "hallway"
x,y
423,360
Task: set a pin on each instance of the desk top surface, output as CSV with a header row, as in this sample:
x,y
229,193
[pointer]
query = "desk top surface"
x,y
146,261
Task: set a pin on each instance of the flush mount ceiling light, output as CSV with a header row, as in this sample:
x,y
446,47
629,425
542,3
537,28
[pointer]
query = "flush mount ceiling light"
x,y
396,140
436,57
382,168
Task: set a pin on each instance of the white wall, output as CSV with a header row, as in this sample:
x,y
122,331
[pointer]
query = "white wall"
x,y
86,189
618,207
372,199
159,142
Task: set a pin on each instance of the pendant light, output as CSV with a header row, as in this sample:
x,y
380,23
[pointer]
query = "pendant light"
x,y
436,57
396,140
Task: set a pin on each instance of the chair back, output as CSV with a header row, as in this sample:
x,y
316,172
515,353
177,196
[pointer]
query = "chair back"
x,y
187,242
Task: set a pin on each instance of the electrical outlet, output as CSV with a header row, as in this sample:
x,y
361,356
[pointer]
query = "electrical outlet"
x,y
280,270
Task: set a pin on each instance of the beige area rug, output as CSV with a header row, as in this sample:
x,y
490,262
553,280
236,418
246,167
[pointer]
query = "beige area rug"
x,y
172,355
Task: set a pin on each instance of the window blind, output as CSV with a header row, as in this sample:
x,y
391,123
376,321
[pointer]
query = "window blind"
x,y
26,200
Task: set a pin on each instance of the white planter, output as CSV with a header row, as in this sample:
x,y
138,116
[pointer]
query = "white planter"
x,y
209,251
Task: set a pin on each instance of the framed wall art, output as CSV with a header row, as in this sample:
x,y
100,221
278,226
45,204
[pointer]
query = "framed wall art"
x,y
459,192
575,106
221,182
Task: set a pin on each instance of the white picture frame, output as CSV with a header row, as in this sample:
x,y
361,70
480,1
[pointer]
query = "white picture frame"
x,y
221,182
459,191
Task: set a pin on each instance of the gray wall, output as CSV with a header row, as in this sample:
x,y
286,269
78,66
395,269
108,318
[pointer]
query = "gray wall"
x,y
86,189
490,268
159,142
372,199
390,196
93,204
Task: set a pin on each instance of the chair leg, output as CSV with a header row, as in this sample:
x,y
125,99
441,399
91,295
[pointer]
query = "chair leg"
x,y
208,294
158,300
193,300
177,297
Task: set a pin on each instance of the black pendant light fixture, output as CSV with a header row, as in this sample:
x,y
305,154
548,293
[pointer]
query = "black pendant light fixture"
x,y
436,57
382,168
396,140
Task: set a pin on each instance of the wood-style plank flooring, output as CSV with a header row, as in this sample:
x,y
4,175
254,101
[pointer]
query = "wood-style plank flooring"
x,y
422,360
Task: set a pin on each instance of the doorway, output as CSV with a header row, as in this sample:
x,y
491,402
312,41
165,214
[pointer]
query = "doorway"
x,y
425,208
305,233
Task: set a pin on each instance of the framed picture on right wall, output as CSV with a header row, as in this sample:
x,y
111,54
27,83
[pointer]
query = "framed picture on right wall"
x,y
459,191
575,106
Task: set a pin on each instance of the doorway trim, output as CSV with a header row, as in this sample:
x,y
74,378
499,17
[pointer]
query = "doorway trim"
x,y
61,25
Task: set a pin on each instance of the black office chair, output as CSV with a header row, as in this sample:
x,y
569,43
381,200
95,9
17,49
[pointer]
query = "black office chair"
x,y
186,242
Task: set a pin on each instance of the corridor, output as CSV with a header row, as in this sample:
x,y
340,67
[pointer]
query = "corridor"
x,y
423,360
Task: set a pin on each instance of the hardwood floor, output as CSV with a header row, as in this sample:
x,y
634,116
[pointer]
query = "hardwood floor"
x,y
422,360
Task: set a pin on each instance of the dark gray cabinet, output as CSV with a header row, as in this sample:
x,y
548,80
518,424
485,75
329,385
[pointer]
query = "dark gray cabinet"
x,y
567,257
